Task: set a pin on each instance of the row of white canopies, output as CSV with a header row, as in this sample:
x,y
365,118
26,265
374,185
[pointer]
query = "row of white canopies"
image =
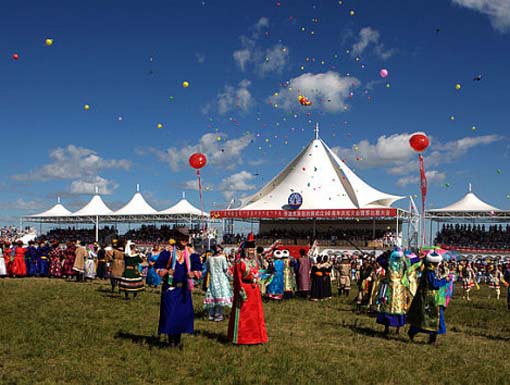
x,y
137,210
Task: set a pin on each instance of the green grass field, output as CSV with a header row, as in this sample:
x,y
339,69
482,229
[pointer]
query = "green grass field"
x,y
57,332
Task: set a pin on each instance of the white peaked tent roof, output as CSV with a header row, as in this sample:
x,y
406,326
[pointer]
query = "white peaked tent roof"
x,y
323,180
183,207
469,203
56,211
95,207
136,206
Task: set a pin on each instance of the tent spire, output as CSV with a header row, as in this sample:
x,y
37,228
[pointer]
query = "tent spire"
x,y
137,187
183,195
97,190
58,199
316,131
469,187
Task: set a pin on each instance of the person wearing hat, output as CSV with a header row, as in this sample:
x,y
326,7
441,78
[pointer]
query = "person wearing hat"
x,y
117,264
55,255
275,289
304,267
246,325
426,315
176,266
131,280
219,293
31,258
153,279
42,255
392,293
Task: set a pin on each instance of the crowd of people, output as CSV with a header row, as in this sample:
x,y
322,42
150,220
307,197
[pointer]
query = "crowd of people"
x,y
396,286
475,236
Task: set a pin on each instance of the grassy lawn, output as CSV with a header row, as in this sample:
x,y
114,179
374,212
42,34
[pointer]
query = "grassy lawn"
x,y
57,332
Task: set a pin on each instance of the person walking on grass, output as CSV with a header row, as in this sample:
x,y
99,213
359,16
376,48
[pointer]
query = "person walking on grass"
x,y
131,280
426,314
176,266
219,293
117,264
80,254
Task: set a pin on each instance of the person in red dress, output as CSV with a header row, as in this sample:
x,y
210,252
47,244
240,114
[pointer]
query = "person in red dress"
x,y
246,325
7,251
18,267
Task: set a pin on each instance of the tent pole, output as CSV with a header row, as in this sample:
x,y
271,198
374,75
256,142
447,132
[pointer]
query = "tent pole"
x,y
314,228
97,228
396,235
430,232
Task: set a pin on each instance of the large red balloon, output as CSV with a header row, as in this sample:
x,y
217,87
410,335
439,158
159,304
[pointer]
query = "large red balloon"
x,y
197,160
419,142
15,56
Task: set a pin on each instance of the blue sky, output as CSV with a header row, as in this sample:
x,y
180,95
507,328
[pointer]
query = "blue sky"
x,y
128,59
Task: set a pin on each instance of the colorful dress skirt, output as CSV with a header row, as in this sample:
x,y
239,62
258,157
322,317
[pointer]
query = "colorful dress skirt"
x,y
132,280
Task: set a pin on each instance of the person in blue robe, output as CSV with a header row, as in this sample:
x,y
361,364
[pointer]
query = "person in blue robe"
x,y
275,289
42,256
153,279
177,266
31,260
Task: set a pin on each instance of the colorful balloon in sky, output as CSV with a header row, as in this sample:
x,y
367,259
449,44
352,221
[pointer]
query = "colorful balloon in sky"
x,y
458,86
49,42
15,56
304,101
197,160
86,107
384,73
419,142
159,125
185,84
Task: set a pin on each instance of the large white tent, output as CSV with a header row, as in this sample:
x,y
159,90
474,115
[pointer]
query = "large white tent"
x,y
183,207
327,187
56,211
136,206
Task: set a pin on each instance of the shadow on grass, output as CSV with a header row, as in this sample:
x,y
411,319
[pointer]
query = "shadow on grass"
x,y
218,337
481,335
152,341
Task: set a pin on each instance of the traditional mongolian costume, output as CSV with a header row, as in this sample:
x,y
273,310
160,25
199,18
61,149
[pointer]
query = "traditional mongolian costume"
x,y
289,274
3,269
426,314
344,276
177,267
392,292
69,256
303,275
131,280
246,325
19,268
275,288
153,279
219,293
55,256
43,260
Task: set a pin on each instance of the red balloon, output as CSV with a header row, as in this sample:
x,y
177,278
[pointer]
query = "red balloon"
x,y
419,142
197,160
15,56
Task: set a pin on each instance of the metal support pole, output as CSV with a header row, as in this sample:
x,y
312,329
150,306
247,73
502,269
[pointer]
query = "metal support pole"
x,y
430,233
97,228
314,228
396,230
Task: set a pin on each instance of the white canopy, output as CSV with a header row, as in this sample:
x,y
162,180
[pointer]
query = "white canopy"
x,y
136,206
95,207
183,207
323,180
56,211
469,203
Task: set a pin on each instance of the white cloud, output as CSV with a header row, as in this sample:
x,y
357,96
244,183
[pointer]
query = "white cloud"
x,y
393,149
263,61
200,57
22,204
370,37
88,186
242,57
275,60
190,185
73,162
237,182
239,97
497,10
433,176
328,91
226,153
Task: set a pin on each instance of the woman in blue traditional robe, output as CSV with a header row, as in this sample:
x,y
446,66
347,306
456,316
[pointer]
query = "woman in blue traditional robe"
x,y
426,315
276,288
177,267
153,279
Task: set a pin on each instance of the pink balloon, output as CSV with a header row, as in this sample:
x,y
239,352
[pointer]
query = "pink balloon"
x,y
384,73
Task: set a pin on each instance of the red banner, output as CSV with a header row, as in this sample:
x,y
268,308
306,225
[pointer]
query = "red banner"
x,y
306,214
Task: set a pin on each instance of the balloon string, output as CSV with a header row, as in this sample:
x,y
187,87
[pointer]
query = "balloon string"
x,y
201,200
423,180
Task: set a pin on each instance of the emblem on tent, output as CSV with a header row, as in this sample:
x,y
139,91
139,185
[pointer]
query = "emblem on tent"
x,y
295,201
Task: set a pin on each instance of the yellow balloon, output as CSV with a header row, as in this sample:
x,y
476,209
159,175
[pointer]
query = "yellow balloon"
x,y
49,42
86,107
185,84
352,12
458,86
159,125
